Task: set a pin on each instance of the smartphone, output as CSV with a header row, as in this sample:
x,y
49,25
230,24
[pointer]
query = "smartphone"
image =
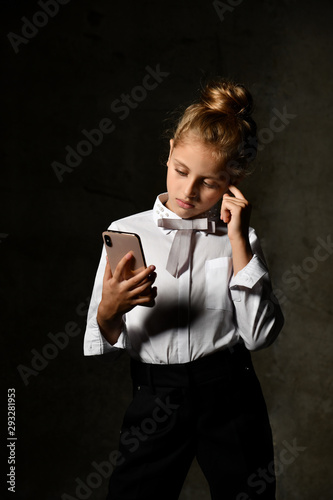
x,y
118,244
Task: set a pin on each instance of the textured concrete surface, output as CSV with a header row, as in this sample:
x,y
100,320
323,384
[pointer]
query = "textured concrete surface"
x,y
62,78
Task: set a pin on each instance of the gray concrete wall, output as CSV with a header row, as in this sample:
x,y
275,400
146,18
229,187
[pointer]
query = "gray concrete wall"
x,y
61,78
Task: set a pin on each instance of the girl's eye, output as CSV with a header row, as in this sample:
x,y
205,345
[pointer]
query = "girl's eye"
x,y
210,186
181,173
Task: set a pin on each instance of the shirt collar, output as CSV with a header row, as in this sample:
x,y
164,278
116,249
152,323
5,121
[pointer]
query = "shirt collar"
x,y
160,211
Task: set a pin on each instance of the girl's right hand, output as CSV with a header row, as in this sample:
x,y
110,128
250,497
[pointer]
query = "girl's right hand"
x,y
120,295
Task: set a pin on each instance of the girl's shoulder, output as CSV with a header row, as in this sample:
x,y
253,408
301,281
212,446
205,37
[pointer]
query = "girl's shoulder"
x,y
133,223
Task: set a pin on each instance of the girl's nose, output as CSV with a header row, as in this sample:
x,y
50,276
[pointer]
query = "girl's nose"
x,y
191,189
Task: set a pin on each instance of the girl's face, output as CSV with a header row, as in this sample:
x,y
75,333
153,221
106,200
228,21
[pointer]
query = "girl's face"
x,y
195,180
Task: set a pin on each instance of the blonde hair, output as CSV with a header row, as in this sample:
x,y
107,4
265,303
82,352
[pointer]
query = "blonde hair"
x,y
221,119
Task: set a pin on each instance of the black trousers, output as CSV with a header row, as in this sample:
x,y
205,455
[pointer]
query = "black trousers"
x,y
212,409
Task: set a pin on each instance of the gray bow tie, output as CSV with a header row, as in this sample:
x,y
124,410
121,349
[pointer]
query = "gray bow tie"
x,y
179,255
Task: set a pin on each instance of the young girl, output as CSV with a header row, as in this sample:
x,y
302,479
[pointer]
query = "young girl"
x,y
195,392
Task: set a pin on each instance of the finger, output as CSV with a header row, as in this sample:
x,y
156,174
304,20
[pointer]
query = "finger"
x,y
147,303
231,202
147,279
228,205
121,266
225,213
144,289
152,277
231,205
226,217
146,276
235,191
107,272
144,298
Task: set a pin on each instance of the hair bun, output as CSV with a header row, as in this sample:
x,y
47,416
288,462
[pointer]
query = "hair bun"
x,y
221,119
227,98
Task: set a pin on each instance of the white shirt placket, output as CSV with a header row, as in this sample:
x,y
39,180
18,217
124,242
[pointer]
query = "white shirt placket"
x,y
184,324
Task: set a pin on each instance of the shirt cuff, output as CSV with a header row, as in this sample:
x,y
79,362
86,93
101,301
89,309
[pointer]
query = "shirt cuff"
x,y
250,274
95,343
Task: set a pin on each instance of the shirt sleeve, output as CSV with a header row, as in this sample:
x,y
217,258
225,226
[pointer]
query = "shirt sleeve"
x,y
258,314
94,342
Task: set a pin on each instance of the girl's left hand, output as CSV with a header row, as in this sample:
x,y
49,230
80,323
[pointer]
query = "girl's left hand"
x,y
235,212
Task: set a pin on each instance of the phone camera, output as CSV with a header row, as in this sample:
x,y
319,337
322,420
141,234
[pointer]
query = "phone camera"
x,y
108,240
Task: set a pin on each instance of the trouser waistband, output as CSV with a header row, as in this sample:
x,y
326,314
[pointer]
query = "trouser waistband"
x,y
197,371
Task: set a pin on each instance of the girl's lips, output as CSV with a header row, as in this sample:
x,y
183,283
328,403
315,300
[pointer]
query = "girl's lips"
x,y
184,204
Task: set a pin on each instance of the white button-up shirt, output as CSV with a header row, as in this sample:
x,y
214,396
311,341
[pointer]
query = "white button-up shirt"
x,y
204,310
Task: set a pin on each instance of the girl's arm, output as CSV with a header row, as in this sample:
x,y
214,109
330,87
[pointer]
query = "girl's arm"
x,y
258,314
235,212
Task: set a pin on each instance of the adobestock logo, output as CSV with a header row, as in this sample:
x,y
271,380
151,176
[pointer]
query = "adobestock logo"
x,y
309,265
131,440
298,273
30,28
294,276
262,477
122,107
222,8
94,480
56,342
278,123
